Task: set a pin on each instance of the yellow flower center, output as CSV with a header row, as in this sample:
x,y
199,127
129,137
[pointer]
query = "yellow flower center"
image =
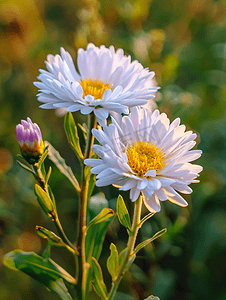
x,y
143,157
96,88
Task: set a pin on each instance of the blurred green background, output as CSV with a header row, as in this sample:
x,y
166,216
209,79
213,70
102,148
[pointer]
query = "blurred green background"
x,y
184,42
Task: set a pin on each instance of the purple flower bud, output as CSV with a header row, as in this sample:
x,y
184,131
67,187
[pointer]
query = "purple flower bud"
x,y
30,141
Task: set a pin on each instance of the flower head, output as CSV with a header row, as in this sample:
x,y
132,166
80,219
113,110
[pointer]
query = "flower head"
x,y
30,140
108,81
143,152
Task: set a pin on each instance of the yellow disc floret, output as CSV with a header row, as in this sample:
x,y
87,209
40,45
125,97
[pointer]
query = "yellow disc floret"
x,y
143,157
96,88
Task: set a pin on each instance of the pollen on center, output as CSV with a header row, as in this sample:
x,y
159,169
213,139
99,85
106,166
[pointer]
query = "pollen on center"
x,y
96,88
143,157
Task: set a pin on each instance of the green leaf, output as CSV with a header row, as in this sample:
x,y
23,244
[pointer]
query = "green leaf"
x,y
48,174
122,256
43,270
152,298
98,282
52,238
84,130
145,243
55,157
123,214
25,167
148,216
59,288
91,179
43,157
44,200
36,266
72,134
112,262
52,197
102,216
96,233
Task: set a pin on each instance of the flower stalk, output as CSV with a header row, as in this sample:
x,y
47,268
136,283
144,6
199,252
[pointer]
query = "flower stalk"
x,y
130,246
83,210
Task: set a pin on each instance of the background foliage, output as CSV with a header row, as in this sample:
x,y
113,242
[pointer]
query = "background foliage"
x,y
184,42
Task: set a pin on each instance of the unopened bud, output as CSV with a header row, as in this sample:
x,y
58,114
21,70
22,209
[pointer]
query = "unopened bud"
x,y
30,141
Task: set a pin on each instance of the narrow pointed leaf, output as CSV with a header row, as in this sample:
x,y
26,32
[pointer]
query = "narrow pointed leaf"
x,y
48,174
52,238
148,216
145,243
36,266
123,214
98,282
103,215
112,262
96,233
91,179
25,167
84,130
122,256
43,157
58,287
55,157
72,134
44,200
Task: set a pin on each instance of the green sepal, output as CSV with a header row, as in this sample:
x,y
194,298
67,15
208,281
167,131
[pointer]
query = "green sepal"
x,y
72,134
123,214
112,262
43,157
44,200
105,214
53,239
56,158
145,243
98,282
152,298
36,266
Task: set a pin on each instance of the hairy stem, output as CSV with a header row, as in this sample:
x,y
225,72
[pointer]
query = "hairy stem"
x,y
130,247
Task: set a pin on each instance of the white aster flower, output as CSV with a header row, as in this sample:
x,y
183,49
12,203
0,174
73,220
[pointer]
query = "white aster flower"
x,y
143,152
108,81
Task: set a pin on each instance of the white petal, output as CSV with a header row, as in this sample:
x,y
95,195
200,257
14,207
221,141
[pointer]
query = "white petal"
x,y
142,184
174,197
101,113
154,184
161,195
152,203
165,181
151,173
128,185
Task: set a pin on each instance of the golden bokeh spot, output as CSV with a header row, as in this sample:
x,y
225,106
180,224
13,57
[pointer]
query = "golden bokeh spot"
x,y
143,157
96,88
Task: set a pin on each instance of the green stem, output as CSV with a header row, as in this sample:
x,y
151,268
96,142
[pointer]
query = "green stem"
x,y
130,247
55,218
83,211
